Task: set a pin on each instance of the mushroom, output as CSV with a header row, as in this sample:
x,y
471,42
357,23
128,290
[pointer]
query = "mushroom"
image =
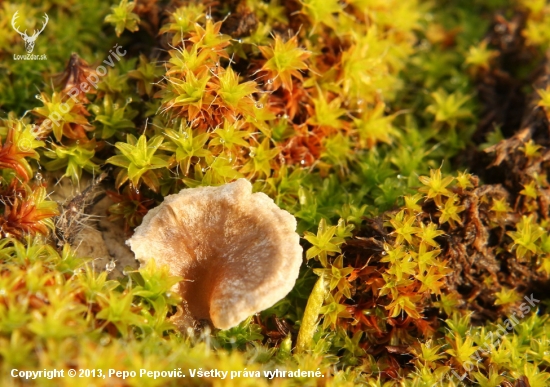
x,y
237,251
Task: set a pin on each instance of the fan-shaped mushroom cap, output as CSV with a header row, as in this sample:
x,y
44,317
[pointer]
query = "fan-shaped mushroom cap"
x,y
238,251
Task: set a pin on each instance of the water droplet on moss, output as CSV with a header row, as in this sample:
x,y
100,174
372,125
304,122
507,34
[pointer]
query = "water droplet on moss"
x,y
105,340
109,267
259,105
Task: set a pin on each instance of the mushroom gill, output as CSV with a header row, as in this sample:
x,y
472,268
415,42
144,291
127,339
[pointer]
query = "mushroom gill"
x,y
238,252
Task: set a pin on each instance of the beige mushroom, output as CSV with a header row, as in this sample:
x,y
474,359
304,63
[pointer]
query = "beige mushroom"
x,y
238,252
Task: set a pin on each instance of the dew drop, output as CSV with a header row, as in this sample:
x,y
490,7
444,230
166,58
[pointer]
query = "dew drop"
x,y
270,81
185,135
129,99
222,141
77,142
38,97
203,170
109,267
38,176
208,17
303,162
239,40
259,105
105,340
137,191
383,253
252,153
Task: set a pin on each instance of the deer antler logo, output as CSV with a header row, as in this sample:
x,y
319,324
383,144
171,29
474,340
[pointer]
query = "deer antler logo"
x,y
29,40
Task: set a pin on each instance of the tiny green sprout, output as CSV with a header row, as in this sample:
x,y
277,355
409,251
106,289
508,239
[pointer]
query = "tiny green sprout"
x,y
461,350
530,190
93,284
404,228
493,379
411,203
211,40
113,117
449,108
260,159
405,266
544,99
237,97
464,180
138,160
183,61
336,276
325,243
19,144
449,212
118,310
146,74
333,310
375,126
535,376
526,237
122,17
182,21
507,296
337,151
66,111
189,94
436,186
230,136
284,61
239,336
405,303
480,56
74,158
157,282
187,144
428,232
500,207
448,302
327,114
321,11
531,149
429,353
